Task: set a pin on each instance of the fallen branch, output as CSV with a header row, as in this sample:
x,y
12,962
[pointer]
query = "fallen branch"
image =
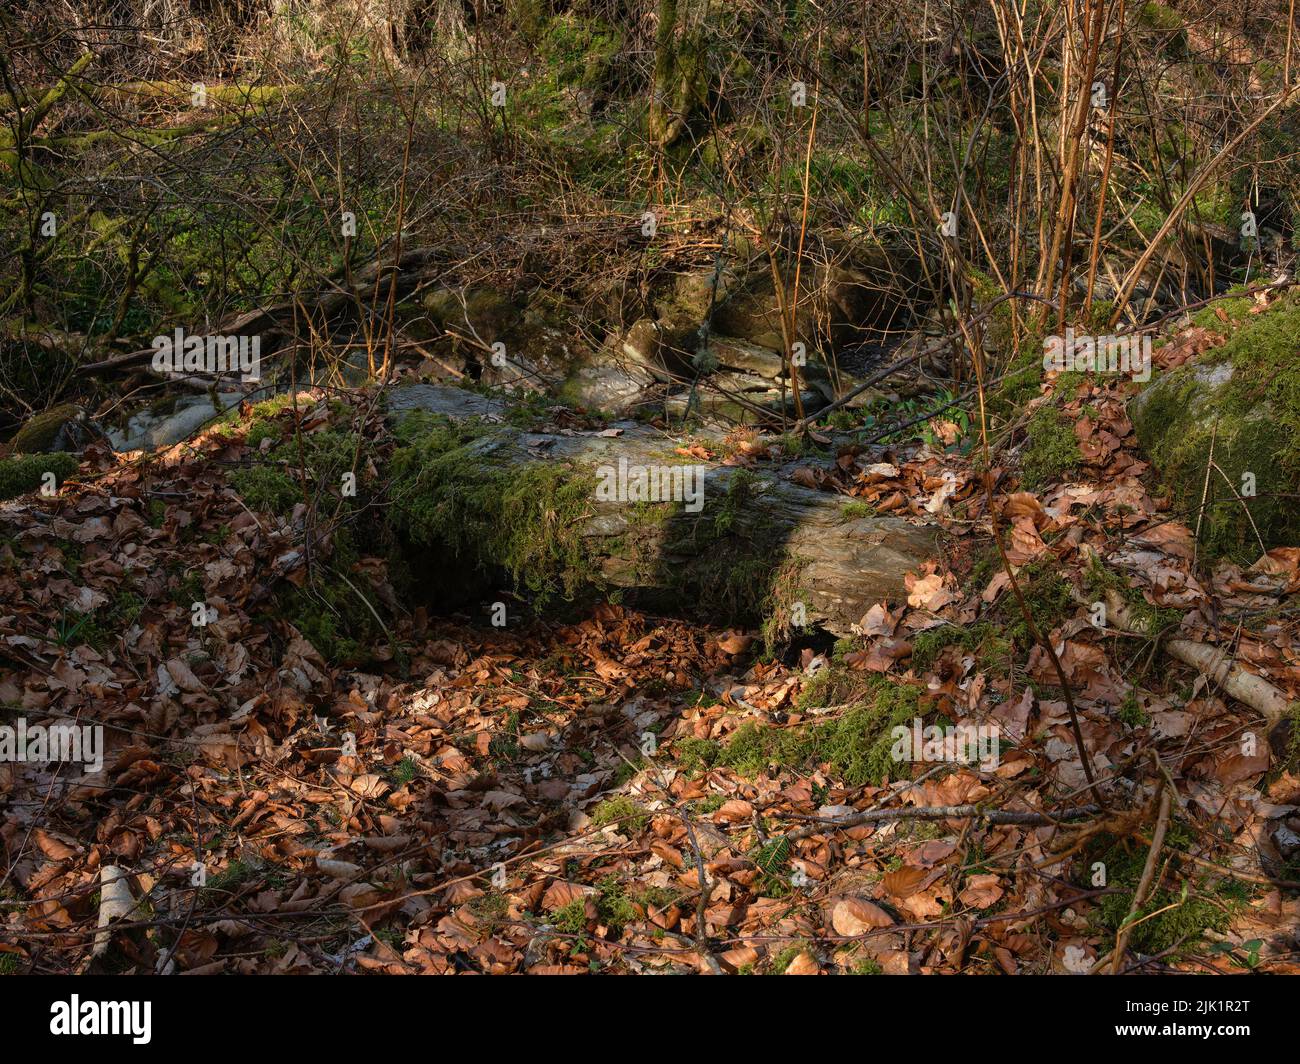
x,y
944,812
115,903
1145,883
1246,687
270,322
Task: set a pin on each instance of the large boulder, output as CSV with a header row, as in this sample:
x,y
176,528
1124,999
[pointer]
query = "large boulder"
x,y
61,428
1238,403
484,313
624,508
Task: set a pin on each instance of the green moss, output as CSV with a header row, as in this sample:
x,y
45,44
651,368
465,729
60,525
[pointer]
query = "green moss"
x,y
278,404
800,446
332,618
855,747
266,489
491,910
786,957
1156,16
571,919
24,473
622,811
740,489
781,587
579,51
1021,382
1194,903
331,610
485,512
855,509
1131,713
404,772
616,910
656,898
272,485
843,646
263,429
230,878
992,650
737,570
1049,598
1051,448
711,804
1021,375
1147,619
1237,310
695,755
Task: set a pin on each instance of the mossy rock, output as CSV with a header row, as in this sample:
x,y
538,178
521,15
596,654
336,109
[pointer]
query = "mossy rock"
x,y
608,384
581,52
61,428
498,500
485,311
1240,402
851,290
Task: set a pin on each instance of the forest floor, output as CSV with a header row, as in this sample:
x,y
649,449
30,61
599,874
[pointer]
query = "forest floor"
x,y
618,792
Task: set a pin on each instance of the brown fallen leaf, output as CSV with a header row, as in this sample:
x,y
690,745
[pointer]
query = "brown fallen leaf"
x,y
803,964
855,916
981,891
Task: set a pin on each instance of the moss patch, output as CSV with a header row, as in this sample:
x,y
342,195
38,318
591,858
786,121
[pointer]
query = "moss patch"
x,y
622,812
266,489
332,611
855,747
1051,448
984,639
524,518
25,473
41,431
1201,905
1147,619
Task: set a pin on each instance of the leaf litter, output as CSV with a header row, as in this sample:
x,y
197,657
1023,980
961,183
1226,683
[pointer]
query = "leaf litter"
x,y
622,792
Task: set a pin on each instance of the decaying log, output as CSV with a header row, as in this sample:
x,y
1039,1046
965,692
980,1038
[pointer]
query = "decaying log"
x,y
797,540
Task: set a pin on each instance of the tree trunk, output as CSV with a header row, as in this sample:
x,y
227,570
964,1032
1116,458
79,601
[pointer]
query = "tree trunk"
x,y
661,117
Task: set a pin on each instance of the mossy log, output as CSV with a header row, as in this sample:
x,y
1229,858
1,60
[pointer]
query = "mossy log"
x,y
735,545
